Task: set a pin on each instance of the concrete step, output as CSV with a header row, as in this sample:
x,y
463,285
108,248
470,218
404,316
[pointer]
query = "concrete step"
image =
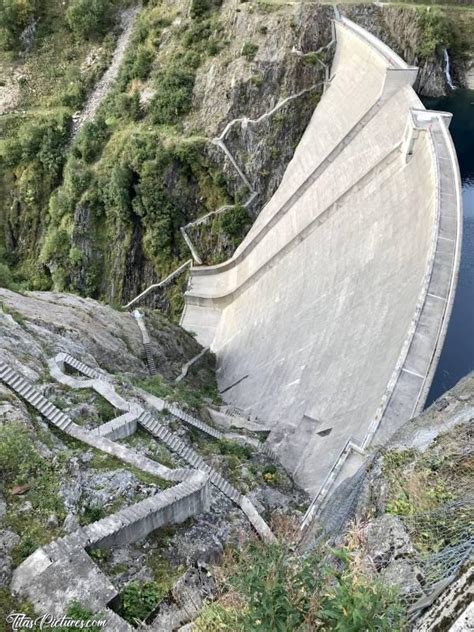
x,y
187,453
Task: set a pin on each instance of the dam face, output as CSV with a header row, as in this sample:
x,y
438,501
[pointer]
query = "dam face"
x,y
329,319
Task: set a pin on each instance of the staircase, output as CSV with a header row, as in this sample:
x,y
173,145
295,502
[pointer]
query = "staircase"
x,y
150,359
159,431
79,366
194,423
135,522
30,394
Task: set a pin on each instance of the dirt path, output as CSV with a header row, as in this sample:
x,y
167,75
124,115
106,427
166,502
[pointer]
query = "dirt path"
x,y
127,19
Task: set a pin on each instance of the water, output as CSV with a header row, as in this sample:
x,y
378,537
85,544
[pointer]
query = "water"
x,y
447,70
457,358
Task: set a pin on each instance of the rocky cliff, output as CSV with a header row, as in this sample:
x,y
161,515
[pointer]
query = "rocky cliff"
x,y
406,514
52,484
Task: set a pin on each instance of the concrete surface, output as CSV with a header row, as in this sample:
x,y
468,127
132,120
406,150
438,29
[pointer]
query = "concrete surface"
x,y
328,321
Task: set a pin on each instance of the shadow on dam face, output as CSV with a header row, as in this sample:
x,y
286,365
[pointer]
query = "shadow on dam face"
x,y
336,303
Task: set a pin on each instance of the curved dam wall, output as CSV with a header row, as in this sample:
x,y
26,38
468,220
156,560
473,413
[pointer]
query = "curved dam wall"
x,y
328,320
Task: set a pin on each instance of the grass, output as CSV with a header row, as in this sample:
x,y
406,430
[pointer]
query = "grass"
x,y
194,398
158,452
267,588
423,482
139,599
21,464
106,462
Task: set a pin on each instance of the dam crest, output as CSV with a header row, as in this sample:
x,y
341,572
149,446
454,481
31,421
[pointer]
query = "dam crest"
x,y
329,319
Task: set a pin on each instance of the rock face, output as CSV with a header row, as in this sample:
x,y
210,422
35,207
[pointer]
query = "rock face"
x,y
38,325
406,31
397,548
265,53
8,540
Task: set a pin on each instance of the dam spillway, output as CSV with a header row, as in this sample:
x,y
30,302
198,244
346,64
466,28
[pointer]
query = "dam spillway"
x,y
329,319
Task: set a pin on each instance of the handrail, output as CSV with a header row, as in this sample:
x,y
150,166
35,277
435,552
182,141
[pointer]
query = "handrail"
x,y
219,142
165,281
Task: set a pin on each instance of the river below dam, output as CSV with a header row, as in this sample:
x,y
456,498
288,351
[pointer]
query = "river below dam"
x,y
457,358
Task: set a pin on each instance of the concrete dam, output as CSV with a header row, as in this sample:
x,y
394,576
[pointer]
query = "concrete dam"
x,y
329,319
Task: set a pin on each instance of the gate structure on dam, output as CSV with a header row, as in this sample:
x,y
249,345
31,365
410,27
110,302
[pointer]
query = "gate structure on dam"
x,y
329,319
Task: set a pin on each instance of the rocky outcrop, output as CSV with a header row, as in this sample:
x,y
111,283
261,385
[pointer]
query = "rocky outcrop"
x,y
36,325
412,34
393,537
252,56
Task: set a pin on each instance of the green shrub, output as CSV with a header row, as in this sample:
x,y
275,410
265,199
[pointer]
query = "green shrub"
x,y
249,51
234,223
203,8
233,448
139,600
19,460
89,18
14,17
42,141
174,93
105,410
91,140
91,514
56,245
277,591
435,32
6,277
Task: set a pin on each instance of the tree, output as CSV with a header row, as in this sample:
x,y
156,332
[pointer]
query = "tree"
x,y
14,17
89,18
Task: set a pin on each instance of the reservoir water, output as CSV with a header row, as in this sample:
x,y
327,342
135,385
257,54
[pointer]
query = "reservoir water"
x,y
457,358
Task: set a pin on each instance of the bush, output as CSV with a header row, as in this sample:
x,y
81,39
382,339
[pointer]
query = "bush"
x,y
44,141
56,245
174,94
277,591
249,51
14,17
139,600
233,448
91,140
6,278
89,18
435,32
203,8
19,461
234,223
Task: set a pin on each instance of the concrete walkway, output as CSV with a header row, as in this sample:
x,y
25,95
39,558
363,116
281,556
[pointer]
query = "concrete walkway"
x,y
45,577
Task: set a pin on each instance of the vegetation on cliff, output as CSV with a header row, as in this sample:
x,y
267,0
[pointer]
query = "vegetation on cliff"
x,y
269,588
101,216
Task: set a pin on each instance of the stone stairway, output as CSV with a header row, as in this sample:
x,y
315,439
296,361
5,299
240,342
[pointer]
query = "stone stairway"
x,y
119,428
134,522
79,366
193,422
150,359
30,394
159,431
61,570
